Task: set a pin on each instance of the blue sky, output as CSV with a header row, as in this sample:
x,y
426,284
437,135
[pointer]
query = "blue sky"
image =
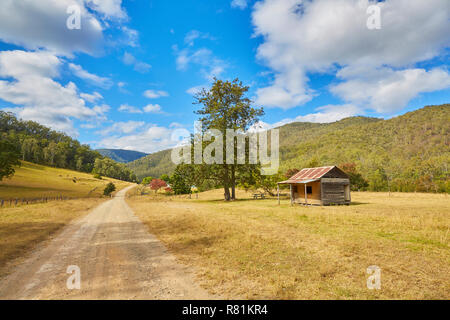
x,y
126,78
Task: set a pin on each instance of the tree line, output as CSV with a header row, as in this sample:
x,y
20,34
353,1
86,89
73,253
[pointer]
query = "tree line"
x,y
408,153
223,106
33,142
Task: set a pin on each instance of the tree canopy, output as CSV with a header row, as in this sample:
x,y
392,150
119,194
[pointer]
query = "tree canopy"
x,y
39,144
9,157
225,106
410,152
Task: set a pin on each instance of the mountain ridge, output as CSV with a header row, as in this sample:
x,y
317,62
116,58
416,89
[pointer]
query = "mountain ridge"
x,y
121,155
409,152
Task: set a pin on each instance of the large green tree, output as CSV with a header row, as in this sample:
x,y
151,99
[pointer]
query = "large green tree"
x,y
183,179
9,157
226,106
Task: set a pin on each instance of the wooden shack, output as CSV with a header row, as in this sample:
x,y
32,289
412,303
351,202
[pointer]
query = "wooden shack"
x,y
319,186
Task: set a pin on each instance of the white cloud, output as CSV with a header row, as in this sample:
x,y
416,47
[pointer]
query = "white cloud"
x,y
42,24
131,36
121,85
185,57
110,9
39,96
20,64
175,125
307,37
286,92
129,109
150,108
37,25
138,66
95,96
385,90
153,94
153,108
88,126
101,109
241,4
122,127
210,65
193,35
151,139
90,77
325,114
194,90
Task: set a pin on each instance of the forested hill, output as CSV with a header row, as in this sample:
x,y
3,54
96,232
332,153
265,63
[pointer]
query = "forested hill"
x,y
121,155
159,163
154,165
410,152
36,143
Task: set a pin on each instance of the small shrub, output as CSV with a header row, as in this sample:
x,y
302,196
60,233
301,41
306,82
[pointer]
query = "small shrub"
x,y
146,180
168,190
110,188
97,176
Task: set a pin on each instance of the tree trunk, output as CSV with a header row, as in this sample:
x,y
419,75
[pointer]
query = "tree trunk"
x,y
226,193
226,184
233,182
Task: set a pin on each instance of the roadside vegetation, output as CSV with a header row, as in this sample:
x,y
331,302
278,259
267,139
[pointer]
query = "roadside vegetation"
x,y
255,249
23,228
408,153
36,181
33,142
110,188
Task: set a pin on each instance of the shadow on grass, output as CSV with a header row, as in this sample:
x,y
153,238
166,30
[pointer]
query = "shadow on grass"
x,y
234,201
356,203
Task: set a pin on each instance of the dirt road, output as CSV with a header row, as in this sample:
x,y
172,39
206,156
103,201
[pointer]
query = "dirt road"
x,y
116,256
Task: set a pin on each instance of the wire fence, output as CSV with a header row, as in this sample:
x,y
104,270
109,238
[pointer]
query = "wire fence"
x,y
16,202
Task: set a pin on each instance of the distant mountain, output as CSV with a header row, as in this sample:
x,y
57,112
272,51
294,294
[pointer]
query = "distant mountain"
x,y
410,152
121,155
159,163
153,165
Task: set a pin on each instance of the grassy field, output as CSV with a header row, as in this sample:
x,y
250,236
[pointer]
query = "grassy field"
x,y
23,227
36,181
255,249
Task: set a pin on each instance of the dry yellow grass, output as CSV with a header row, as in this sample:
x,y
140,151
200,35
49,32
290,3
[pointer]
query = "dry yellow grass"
x,y
256,249
22,228
36,181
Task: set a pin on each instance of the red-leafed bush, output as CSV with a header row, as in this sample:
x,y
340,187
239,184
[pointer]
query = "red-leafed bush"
x,y
157,184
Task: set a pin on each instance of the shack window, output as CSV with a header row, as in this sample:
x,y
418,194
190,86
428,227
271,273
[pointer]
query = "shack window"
x,y
309,189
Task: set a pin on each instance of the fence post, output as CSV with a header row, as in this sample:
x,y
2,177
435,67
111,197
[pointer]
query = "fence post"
x,y
2,202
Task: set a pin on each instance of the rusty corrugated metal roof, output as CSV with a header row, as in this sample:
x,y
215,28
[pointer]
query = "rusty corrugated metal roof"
x,y
297,181
311,173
